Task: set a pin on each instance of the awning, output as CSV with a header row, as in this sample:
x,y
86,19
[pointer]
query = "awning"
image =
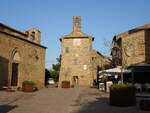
x,y
115,70
141,67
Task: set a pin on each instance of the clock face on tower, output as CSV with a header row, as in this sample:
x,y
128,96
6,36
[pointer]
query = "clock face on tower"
x,y
129,50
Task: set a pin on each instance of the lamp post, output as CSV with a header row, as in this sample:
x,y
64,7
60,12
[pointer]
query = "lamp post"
x,y
121,74
122,63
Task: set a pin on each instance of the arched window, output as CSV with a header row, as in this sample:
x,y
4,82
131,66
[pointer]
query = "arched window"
x,y
77,21
33,36
15,56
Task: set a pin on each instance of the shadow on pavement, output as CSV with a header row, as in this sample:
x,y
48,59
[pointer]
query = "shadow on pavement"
x,y
101,105
6,108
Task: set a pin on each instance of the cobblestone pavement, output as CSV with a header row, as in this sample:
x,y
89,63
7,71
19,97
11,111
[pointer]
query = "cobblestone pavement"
x,y
94,101
58,100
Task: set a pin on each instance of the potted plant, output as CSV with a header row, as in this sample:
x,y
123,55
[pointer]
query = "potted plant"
x,y
28,86
122,95
65,84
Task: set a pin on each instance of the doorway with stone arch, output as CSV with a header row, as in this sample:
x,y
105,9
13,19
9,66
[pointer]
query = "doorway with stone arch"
x,y
15,67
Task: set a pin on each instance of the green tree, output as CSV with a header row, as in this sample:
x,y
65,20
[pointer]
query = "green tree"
x,y
47,75
56,67
54,72
54,75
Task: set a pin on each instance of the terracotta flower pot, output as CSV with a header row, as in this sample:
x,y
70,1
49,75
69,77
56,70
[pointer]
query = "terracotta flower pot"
x,y
65,84
26,87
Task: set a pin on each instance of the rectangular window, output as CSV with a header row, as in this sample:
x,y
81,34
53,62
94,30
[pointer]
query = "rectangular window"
x,y
92,58
75,61
76,42
85,50
66,50
85,67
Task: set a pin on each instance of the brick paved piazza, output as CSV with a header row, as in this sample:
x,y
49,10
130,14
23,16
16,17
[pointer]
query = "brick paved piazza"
x,y
57,100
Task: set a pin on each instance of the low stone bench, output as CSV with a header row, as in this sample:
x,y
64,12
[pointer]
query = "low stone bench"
x,y
145,104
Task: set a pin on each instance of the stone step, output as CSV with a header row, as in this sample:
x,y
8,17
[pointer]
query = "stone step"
x,y
10,88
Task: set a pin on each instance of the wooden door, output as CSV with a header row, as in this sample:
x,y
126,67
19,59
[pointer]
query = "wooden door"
x,y
14,79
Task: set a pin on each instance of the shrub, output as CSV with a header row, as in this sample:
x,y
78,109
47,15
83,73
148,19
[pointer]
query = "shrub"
x,y
122,95
104,78
66,81
117,86
28,82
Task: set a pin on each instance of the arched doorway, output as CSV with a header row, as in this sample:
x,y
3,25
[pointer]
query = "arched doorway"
x,y
75,81
15,68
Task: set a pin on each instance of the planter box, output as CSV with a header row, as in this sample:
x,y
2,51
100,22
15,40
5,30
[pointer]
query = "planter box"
x,y
65,84
123,96
27,87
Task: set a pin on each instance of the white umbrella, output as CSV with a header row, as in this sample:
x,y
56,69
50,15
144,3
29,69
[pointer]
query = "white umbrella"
x,y
115,70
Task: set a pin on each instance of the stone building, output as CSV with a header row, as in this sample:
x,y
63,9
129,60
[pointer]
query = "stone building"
x,y
100,62
22,57
132,47
78,57
131,50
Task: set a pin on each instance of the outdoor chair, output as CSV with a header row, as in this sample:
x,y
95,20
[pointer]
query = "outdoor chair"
x,y
138,87
101,86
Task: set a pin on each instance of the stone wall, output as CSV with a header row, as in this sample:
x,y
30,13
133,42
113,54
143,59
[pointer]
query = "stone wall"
x,y
99,62
147,45
30,57
135,47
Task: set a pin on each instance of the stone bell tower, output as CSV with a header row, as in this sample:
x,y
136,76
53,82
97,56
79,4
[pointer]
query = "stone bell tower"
x,y
77,23
76,56
34,35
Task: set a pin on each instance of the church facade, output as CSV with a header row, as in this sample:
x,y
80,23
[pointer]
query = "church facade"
x,y
22,57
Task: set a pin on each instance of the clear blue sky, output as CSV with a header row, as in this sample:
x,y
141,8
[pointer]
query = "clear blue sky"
x,y
100,18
